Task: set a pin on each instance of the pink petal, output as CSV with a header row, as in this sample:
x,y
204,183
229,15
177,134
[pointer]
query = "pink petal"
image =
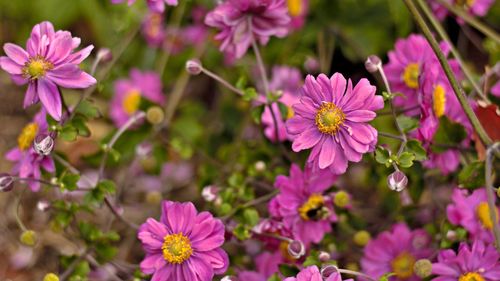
x,y
16,53
10,66
70,76
50,97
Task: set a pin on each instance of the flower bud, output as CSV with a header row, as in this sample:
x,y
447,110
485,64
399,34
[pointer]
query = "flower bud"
x,y
155,115
43,144
296,249
28,238
143,149
6,182
328,270
341,199
451,235
43,205
324,256
210,193
51,277
193,66
423,268
361,238
229,278
397,181
260,166
104,55
373,63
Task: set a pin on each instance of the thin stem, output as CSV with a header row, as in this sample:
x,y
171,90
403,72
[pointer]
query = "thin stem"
x,y
63,276
251,203
273,235
490,192
222,81
459,92
118,215
18,206
36,180
260,63
389,135
399,111
444,36
486,30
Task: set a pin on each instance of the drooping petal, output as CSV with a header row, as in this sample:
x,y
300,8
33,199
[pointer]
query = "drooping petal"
x,y
50,97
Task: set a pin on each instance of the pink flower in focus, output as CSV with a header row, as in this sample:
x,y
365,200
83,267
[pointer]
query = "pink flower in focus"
x,y
396,251
183,245
240,21
128,94
312,273
331,118
49,62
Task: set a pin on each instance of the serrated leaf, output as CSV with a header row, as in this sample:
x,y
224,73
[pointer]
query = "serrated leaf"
x,y
87,109
70,180
405,160
250,94
415,147
382,155
68,133
407,123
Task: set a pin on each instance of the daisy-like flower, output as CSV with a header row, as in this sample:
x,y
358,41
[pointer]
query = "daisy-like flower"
x,y
312,273
48,62
154,5
472,213
301,204
481,262
130,92
241,21
396,251
474,7
183,245
28,163
298,10
331,118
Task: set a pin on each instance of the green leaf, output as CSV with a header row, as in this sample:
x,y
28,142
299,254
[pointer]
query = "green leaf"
x,y
87,109
241,232
251,216
274,277
407,123
472,175
415,147
241,83
383,156
105,252
274,96
288,270
107,186
81,271
69,181
283,110
250,94
68,133
312,259
405,160
256,113
79,123
386,276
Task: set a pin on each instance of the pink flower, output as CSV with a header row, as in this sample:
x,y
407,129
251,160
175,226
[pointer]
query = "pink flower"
x,y
396,251
28,163
266,263
49,62
475,7
241,21
472,213
305,211
311,273
183,245
154,5
495,90
130,92
331,118
153,29
298,10
481,262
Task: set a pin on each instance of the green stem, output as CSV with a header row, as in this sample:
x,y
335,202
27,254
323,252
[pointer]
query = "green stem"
x,y
457,89
490,192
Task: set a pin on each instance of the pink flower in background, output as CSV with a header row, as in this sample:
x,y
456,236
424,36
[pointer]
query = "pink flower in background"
x,y
128,94
312,273
396,251
183,245
154,5
305,211
266,264
297,9
331,118
153,29
477,263
48,62
495,90
241,20
475,7
28,163
472,213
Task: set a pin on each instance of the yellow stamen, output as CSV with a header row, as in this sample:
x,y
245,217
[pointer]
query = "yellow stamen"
x,y
410,75
289,113
312,207
294,7
402,265
329,118
471,276
483,213
176,248
439,100
131,101
36,67
27,136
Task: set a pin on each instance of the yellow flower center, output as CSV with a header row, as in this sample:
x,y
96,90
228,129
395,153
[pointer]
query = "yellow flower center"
x,y
28,134
312,209
402,265
294,7
289,113
483,213
471,276
466,3
329,118
439,99
36,67
131,101
410,75
176,248
284,251
154,26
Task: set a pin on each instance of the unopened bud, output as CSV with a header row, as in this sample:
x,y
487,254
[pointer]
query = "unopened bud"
x,y
296,249
361,238
155,115
104,55
451,235
143,149
6,182
28,238
373,63
423,268
324,256
193,66
229,278
43,144
43,205
210,193
51,277
341,199
328,270
260,166
397,181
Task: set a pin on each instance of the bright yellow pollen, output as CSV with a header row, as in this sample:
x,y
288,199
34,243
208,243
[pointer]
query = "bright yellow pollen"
x,y
289,113
483,213
439,100
471,276
131,101
176,248
309,210
329,118
410,75
294,7
402,265
36,67
28,134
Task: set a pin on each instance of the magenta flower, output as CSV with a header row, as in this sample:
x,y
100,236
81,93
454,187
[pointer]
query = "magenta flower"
x,y
154,5
241,21
475,7
331,118
495,90
312,273
183,245
153,29
266,264
28,163
298,10
49,62
479,263
472,213
396,251
130,92
301,203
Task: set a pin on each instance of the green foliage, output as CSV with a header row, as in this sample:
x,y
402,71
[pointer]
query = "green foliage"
x,y
472,176
406,123
288,270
